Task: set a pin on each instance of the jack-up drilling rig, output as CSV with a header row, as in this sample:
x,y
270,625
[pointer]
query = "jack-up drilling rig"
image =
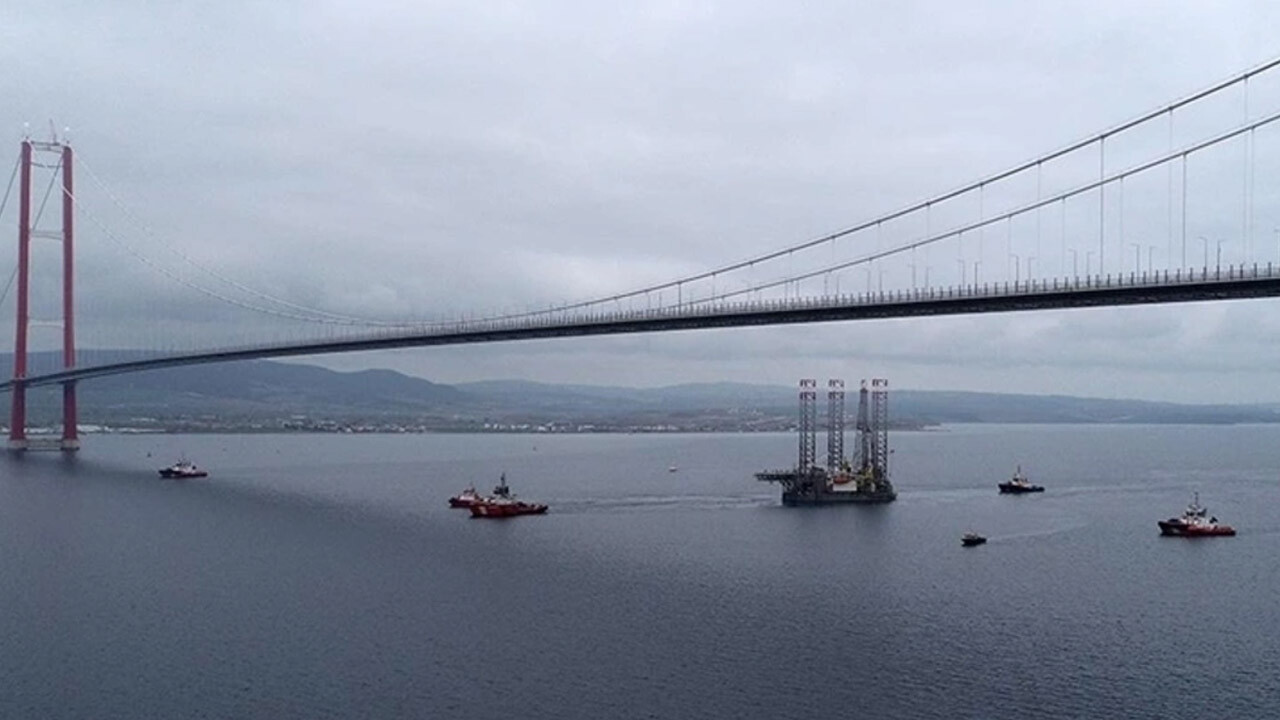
x,y
866,478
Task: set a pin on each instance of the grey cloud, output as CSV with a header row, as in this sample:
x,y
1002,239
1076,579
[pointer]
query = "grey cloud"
x,y
406,160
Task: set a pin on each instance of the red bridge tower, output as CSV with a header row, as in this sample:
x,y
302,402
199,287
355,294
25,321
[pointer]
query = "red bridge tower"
x,y
59,156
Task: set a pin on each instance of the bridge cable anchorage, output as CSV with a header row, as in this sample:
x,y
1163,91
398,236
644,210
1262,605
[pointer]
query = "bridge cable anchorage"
x,y
129,214
187,283
1020,210
1002,175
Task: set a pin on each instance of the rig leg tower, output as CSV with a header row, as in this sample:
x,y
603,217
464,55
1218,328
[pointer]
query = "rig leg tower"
x,y
835,426
808,424
873,436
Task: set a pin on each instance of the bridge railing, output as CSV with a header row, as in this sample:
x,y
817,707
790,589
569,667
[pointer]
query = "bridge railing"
x,y
695,310
1033,286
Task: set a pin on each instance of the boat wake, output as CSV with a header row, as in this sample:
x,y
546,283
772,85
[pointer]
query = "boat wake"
x,y
1041,532
642,503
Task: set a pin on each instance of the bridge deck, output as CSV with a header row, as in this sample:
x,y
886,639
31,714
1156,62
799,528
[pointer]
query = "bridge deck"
x,y
1232,282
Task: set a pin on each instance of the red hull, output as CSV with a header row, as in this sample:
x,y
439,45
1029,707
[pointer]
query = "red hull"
x,y
1177,528
1193,523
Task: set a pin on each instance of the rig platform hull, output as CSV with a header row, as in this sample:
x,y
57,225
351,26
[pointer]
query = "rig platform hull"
x,y
815,488
837,497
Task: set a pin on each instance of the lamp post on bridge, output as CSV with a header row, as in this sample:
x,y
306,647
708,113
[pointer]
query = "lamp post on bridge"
x,y
914,267
1137,257
1030,258
1205,240
1017,265
960,262
1218,261
1075,264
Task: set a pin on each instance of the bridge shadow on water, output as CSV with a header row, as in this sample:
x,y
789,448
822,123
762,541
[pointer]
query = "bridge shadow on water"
x,y
72,479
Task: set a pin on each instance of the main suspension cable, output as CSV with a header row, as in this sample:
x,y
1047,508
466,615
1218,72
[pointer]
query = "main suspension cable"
x,y
1008,215
926,204
3,204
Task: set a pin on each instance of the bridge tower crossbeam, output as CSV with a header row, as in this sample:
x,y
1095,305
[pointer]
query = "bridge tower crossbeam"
x,y
18,412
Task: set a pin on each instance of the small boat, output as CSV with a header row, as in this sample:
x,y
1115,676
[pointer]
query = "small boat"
x,y
1193,523
465,499
970,539
503,504
1019,484
183,469
672,468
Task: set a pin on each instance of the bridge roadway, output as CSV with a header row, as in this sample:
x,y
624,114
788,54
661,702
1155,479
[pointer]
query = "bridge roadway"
x,y
1201,284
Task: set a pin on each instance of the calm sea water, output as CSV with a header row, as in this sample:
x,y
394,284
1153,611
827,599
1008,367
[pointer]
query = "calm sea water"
x,y
321,576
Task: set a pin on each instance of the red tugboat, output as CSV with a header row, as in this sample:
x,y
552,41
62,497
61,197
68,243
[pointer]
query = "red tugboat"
x,y
465,499
182,470
1193,523
503,504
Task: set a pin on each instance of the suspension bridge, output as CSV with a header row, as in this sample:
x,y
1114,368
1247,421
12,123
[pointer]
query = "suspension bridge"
x,y
1137,203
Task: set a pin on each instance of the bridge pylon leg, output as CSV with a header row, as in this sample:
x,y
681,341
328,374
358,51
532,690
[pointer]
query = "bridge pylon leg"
x,y
70,428
18,416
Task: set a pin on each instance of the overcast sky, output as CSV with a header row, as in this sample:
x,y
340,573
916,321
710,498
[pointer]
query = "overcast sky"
x,y
420,159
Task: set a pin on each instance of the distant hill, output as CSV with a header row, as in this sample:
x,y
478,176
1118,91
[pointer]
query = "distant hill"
x,y
960,407
264,390
277,385
930,406
254,388
696,396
